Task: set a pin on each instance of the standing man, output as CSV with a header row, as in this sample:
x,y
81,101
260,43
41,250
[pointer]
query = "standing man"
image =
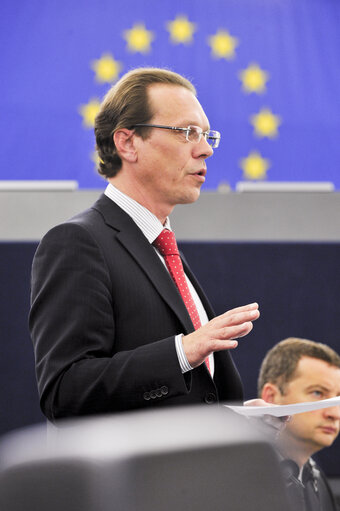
x,y
298,370
115,322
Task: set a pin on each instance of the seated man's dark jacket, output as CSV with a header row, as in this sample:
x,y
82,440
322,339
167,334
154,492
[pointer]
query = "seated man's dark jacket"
x,y
312,493
103,319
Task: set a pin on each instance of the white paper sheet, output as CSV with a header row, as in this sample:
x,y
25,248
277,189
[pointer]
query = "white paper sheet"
x,y
282,410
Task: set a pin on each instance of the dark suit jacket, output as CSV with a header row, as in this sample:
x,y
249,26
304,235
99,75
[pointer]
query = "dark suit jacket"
x,y
313,493
103,319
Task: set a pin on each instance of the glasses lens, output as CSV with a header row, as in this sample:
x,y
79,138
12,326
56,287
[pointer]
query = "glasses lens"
x,y
213,138
194,134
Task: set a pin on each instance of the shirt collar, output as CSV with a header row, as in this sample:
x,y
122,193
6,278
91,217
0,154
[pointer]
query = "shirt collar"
x,y
148,223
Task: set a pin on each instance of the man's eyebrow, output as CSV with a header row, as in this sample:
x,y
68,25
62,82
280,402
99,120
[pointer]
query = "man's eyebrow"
x,y
318,386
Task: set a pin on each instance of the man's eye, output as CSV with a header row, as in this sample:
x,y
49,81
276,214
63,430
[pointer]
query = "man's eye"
x,y
317,393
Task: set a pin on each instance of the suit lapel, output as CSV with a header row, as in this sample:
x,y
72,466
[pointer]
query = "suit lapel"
x,y
134,241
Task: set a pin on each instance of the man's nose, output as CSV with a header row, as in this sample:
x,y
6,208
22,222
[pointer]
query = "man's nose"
x,y
333,412
203,149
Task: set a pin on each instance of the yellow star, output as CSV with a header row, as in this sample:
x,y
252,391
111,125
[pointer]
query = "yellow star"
x,y
106,68
254,166
223,45
181,30
89,112
265,123
138,38
253,79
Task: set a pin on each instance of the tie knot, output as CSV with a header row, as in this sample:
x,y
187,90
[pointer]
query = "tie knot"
x,y
166,243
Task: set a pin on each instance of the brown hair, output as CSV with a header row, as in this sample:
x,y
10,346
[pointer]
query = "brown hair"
x,y
125,105
280,362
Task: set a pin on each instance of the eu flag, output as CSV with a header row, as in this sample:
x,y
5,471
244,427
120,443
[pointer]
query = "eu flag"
x,y
267,74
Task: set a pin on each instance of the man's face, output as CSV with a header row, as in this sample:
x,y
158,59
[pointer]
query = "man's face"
x,y
314,380
171,170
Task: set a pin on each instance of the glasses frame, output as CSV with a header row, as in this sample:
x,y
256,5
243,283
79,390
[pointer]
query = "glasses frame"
x,y
215,136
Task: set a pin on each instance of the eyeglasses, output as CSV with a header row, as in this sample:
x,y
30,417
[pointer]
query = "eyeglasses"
x,y
192,133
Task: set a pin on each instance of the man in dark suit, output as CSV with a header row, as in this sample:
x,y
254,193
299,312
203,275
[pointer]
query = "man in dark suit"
x,y
110,329
298,370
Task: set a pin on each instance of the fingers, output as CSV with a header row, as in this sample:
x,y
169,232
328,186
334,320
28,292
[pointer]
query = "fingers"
x,y
232,332
241,314
242,308
277,423
228,341
232,324
236,317
256,402
220,333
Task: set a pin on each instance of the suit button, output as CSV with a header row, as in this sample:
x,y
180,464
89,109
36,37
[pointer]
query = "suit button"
x,y
159,393
210,398
146,396
164,390
153,394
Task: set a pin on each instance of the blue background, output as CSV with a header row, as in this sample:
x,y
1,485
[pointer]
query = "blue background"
x,y
47,49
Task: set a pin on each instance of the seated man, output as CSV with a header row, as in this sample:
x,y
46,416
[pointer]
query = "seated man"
x,y
298,370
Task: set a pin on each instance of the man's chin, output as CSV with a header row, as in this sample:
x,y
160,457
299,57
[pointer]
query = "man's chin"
x,y
325,440
190,197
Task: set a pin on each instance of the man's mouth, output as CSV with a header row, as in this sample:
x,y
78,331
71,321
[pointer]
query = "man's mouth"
x,y
330,430
201,172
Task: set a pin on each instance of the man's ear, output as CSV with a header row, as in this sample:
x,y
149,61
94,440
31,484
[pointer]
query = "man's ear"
x,y
124,142
271,393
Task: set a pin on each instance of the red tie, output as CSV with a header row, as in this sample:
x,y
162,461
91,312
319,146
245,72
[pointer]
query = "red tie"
x,y
167,246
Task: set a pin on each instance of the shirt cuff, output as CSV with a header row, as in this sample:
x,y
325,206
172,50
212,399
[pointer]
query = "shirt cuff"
x,y
182,358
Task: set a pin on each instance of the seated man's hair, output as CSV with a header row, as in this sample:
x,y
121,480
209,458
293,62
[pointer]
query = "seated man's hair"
x,y
279,364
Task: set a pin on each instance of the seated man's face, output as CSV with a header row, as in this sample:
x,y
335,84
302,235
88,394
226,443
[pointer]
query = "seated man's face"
x,y
314,380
